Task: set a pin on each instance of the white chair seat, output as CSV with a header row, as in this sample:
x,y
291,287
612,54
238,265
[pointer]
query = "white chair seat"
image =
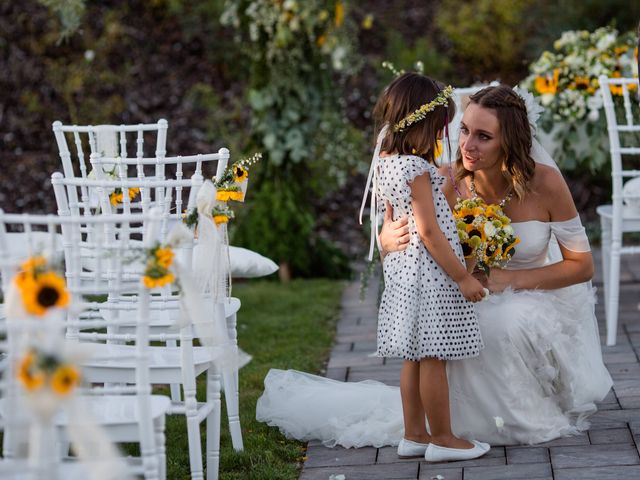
x,y
165,363
70,470
630,217
112,410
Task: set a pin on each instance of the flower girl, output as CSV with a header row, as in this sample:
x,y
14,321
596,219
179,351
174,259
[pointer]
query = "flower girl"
x,y
426,316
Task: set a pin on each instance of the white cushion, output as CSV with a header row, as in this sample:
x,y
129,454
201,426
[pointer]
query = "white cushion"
x,y
631,193
249,264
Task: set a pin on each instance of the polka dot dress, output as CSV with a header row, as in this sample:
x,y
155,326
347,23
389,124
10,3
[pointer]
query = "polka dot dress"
x,y
422,313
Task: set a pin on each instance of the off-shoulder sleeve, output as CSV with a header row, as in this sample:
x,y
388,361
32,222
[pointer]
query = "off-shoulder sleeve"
x,y
571,235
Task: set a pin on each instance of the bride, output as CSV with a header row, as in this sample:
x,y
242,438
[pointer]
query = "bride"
x,y
541,371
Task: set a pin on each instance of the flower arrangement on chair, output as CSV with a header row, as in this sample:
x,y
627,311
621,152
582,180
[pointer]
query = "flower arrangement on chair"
x,y
157,272
39,370
232,186
41,286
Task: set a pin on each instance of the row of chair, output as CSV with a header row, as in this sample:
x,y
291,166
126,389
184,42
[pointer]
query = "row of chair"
x,y
155,190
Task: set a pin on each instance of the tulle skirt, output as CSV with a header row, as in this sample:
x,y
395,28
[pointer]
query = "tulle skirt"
x,y
537,379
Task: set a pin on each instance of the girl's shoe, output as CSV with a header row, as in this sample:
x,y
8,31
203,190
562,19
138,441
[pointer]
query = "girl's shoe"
x,y
436,453
410,449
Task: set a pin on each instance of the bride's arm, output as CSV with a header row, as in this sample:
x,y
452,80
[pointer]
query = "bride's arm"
x,y
575,267
394,236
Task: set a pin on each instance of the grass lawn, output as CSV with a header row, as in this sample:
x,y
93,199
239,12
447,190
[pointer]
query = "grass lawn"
x,y
282,326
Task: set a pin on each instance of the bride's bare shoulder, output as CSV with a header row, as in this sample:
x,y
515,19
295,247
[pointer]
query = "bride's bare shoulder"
x,y
547,179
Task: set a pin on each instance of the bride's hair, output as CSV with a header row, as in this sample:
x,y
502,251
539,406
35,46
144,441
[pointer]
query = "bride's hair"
x,y
401,98
515,133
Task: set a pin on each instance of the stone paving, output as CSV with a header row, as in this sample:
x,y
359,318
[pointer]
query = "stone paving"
x,y
608,451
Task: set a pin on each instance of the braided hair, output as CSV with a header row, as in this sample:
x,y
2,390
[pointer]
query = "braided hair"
x,y
518,167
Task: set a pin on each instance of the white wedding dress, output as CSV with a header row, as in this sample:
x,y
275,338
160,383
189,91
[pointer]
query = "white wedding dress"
x,y
537,379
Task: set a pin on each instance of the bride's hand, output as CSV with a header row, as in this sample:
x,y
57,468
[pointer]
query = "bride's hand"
x,y
394,236
499,279
481,277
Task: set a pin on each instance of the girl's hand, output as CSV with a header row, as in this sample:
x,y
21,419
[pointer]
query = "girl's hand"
x,y
500,279
471,288
394,236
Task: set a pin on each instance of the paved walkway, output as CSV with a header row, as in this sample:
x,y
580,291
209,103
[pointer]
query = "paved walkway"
x,y
609,451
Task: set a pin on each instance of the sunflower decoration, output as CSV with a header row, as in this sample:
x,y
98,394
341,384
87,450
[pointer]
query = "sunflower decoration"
x,y
157,272
40,286
222,214
485,233
233,182
38,370
117,196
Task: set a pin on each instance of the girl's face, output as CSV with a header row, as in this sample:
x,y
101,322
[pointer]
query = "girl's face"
x,y
479,141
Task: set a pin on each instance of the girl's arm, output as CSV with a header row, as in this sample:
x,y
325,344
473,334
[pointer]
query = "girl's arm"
x,y
436,242
575,267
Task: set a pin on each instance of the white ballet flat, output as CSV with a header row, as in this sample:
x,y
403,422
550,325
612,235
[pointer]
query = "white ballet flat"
x,y
436,453
410,449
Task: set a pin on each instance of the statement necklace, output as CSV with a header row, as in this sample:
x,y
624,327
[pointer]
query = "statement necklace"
x,y
503,202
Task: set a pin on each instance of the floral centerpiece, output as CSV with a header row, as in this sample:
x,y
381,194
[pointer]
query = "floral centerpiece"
x,y
485,233
566,82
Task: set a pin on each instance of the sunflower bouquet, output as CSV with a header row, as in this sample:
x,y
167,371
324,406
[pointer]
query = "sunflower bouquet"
x,y
39,370
233,182
157,272
41,287
485,233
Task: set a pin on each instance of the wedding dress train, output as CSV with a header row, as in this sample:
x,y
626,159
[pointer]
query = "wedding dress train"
x,y
537,379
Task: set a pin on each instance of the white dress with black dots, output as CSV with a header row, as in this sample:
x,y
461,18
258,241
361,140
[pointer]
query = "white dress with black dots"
x,y
422,312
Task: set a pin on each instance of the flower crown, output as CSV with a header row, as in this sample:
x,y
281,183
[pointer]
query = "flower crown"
x,y
420,114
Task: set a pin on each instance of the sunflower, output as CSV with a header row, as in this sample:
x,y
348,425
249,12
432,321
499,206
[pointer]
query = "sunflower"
x,y
510,250
240,174
164,257
42,292
133,193
115,198
153,282
548,84
437,149
221,219
31,377
339,16
64,378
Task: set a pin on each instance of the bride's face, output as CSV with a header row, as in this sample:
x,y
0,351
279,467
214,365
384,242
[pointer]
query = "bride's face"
x,y
479,141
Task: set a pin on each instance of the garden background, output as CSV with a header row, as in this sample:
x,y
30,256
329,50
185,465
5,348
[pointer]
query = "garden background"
x,y
295,80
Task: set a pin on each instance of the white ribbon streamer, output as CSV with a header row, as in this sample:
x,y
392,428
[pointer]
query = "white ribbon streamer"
x,y
372,185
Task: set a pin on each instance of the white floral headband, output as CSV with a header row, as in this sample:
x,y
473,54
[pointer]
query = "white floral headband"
x,y
534,109
421,113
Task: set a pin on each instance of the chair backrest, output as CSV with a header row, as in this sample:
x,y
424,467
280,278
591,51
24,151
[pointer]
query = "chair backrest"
x,y
622,111
115,245
124,141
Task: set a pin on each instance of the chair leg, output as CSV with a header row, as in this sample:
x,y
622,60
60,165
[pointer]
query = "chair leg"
x,y
174,388
229,378
231,390
193,434
213,424
614,293
605,225
160,447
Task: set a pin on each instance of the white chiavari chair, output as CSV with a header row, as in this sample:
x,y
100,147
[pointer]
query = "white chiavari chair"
x,y
178,362
623,214
126,413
